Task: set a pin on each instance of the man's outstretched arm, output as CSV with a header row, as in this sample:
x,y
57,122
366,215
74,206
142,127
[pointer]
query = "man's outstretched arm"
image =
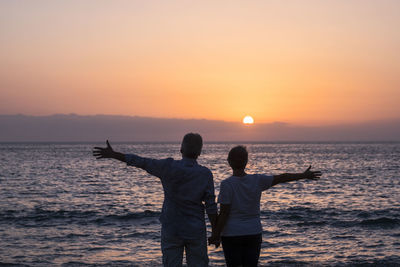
x,y
108,153
153,166
287,177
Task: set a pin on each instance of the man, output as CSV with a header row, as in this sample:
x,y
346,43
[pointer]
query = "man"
x,y
187,185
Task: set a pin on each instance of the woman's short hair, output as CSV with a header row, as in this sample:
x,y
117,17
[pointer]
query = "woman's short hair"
x,y
238,157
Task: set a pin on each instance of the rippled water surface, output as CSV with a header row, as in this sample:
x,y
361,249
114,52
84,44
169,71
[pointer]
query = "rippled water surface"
x,y
59,206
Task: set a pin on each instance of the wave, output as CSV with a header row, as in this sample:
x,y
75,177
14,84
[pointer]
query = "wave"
x,y
304,216
390,261
6,264
383,221
111,263
293,216
40,216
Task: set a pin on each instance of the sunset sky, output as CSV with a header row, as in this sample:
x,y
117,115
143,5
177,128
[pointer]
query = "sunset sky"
x,y
305,62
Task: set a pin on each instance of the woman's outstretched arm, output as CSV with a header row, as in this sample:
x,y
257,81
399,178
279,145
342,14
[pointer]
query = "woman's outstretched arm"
x,y
288,177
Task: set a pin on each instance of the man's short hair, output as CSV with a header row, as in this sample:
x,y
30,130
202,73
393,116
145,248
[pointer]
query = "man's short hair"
x,y
192,144
238,157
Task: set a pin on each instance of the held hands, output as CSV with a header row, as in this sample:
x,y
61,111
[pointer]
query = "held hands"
x,y
312,175
101,153
214,240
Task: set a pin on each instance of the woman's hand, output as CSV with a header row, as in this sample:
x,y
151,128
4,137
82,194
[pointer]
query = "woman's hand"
x,y
311,174
214,240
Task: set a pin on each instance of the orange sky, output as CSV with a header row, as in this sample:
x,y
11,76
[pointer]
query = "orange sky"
x,y
300,61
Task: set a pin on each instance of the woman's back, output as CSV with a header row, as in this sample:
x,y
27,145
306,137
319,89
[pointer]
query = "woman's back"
x,y
243,195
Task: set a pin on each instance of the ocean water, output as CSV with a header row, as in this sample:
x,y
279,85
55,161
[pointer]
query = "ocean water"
x,y
59,206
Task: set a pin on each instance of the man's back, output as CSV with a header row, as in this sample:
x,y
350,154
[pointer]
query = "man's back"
x,y
186,186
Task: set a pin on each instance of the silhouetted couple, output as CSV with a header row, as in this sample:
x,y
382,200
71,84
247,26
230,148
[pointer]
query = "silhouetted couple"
x,y
189,190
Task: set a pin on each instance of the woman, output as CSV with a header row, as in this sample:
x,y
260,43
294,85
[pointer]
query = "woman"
x,y
238,226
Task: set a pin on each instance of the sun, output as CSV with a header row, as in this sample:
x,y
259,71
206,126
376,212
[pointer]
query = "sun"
x,y
248,120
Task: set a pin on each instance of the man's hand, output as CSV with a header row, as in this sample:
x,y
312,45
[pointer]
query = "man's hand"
x,y
311,174
214,240
101,153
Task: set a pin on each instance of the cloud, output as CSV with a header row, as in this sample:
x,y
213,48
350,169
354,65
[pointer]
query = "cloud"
x,y
77,128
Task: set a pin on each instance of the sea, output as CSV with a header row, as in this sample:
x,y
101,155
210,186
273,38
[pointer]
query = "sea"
x,y
59,206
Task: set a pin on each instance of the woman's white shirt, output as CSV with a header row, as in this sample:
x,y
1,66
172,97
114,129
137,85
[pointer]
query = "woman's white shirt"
x,y
243,194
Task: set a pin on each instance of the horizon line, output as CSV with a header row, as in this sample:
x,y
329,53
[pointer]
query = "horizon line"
x,y
205,142
314,124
